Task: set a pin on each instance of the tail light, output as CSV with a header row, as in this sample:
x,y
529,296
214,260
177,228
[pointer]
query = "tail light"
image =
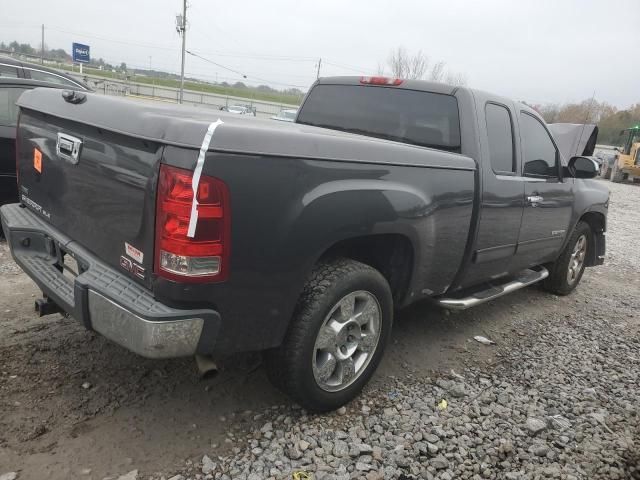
x,y
390,82
205,257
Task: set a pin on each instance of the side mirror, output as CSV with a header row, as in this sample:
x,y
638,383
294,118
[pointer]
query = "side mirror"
x,y
583,167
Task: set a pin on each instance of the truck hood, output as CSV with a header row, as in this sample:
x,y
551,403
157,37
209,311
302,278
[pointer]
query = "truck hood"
x,y
185,126
574,138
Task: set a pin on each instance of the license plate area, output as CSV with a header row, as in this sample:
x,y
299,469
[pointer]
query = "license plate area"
x,y
70,266
67,263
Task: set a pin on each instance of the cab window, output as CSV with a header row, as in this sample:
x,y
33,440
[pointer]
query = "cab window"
x,y
500,136
50,77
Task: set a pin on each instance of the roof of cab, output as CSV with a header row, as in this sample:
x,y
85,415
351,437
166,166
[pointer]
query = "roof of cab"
x,y
30,83
422,85
426,86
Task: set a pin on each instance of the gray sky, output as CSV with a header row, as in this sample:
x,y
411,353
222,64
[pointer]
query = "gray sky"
x,y
533,50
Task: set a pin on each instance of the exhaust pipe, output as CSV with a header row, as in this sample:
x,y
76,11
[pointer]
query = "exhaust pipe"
x,y
206,366
46,306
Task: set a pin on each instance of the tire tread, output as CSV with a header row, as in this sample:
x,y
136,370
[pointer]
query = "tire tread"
x,y
283,372
556,282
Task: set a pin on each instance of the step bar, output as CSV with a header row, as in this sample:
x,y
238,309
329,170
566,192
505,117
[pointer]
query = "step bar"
x,y
521,280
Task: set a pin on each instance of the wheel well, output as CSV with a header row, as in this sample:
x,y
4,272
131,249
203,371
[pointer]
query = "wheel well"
x,y
390,254
597,223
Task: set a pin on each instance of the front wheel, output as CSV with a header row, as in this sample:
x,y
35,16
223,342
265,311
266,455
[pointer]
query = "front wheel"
x,y
337,336
565,273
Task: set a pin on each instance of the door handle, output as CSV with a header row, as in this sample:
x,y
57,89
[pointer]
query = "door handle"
x,y
534,200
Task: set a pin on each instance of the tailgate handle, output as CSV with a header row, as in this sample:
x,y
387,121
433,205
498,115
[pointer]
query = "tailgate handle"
x,y
68,147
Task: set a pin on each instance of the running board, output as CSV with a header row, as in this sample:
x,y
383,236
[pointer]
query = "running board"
x,y
521,280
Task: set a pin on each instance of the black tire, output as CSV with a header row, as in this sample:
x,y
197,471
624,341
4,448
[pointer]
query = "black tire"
x,y
558,282
290,366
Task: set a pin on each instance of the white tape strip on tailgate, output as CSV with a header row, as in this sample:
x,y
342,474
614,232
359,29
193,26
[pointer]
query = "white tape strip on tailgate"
x,y
193,219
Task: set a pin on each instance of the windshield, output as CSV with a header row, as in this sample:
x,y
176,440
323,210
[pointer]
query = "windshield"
x,y
632,136
416,117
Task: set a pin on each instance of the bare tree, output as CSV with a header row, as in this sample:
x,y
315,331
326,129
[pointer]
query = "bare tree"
x,y
404,65
416,66
437,71
549,112
397,62
458,79
587,111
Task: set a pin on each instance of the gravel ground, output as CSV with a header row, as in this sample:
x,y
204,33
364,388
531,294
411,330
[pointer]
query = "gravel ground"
x,y
556,397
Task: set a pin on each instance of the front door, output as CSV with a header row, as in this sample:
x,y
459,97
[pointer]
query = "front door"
x,y
548,197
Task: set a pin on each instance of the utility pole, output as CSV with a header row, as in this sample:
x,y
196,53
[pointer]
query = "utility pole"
x,y
153,79
181,27
42,50
319,64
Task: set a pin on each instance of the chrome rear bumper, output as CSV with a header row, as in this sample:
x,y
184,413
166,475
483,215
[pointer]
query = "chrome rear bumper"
x,y
103,298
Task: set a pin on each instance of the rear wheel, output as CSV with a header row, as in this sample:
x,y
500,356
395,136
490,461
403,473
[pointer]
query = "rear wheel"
x,y
337,336
565,273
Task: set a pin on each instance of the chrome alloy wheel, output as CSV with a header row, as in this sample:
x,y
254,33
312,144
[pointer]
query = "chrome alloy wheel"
x,y
577,259
347,341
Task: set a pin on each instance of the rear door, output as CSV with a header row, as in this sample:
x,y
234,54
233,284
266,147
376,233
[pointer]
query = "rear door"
x,y
548,197
502,191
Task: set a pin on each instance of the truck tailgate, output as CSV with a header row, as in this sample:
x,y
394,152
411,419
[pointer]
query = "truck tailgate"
x,y
94,185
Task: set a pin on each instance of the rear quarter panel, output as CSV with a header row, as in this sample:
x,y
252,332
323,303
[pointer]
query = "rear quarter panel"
x,y
286,212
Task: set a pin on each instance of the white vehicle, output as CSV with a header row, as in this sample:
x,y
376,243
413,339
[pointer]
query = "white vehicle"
x,y
286,115
240,110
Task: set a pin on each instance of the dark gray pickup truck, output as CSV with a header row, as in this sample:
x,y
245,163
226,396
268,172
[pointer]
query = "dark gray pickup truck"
x,y
179,231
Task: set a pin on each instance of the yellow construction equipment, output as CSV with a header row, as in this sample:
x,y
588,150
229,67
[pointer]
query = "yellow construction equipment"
x,y
627,164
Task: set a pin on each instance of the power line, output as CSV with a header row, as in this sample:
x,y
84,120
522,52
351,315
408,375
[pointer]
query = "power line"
x,y
242,74
112,40
216,64
253,56
348,67
174,49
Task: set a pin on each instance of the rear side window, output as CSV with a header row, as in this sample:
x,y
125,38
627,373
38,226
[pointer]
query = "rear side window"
x,y
7,71
500,135
8,107
539,152
410,116
50,77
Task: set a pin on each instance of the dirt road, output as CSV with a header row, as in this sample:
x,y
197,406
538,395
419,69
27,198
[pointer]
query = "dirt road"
x,y
73,405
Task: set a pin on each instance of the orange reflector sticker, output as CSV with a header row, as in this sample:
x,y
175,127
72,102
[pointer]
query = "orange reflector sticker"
x,y
37,160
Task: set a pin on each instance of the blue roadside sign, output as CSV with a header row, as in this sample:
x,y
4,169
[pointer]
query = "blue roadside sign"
x,y
80,53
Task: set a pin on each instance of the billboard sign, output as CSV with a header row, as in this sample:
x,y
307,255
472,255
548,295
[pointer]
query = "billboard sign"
x,y
80,53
